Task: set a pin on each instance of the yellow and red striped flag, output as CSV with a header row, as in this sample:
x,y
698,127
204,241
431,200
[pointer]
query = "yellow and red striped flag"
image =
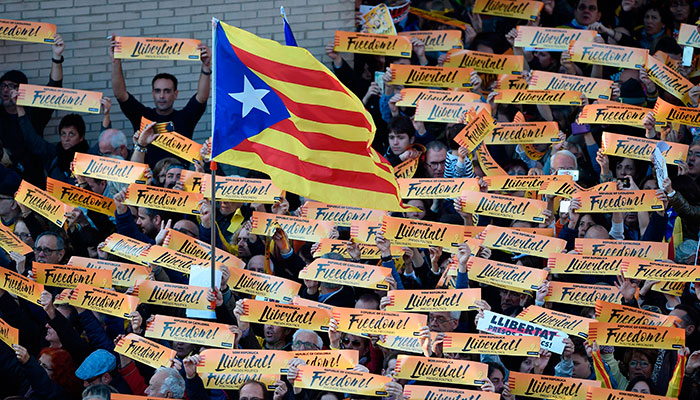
x,y
280,111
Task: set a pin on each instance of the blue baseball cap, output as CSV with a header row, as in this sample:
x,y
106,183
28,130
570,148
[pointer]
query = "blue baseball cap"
x,y
96,364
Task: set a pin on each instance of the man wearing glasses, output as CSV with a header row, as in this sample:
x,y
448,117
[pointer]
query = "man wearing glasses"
x,y
49,248
435,156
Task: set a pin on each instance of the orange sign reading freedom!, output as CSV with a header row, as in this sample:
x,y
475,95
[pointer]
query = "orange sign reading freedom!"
x,y
358,322
205,333
641,336
79,197
42,202
123,274
372,43
103,301
346,273
59,98
145,351
27,31
172,200
69,277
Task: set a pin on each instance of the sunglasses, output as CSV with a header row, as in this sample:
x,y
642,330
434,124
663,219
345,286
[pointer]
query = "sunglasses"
x,y
354,342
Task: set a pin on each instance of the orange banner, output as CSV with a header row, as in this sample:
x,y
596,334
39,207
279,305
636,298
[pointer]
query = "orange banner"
x,y
339,215
259,284
296,228
595,393
341,381
170,259
608,54
584,265
613,114
402,343
42,202
500,274
552,39
641,148
687,36
499,206
480,343
516,183
79,197
433,300
672,288
338,359
580,294
287,315
191,181
567,323
143,48
125,247
20,285
8,334
407,168
367,251
69,277
58,98
440,111
436,188
487,163
437,40
520,9
159,198
639,336
234,381
666,112
419,392
440,370
244,190
27,31
619,314
551,97
419,233
172,295
669,80
145,351
372,43
109,169
476,130
179,145
360,322
346,273
622,201
549,387
364,231
639,268
103,301
487,63
507,239
63,297
244,361
627,248
415,75
524,132
205,333
10,242
411,96
183,243
511,82
591,87
436,16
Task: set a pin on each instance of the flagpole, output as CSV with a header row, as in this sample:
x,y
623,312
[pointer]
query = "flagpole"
x,y
213,166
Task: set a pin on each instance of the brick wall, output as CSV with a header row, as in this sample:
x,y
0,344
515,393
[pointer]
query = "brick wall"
x,y
84,25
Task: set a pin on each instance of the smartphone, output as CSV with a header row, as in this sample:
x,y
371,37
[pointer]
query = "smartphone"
x,y
687,56
379,79
624,182
573,173
564,206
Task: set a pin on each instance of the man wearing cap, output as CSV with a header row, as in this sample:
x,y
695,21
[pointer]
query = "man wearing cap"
x,y
164,91
10,133
96,369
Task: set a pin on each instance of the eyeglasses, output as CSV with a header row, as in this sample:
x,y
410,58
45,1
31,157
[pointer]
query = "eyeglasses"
x,y
355,342
439,319
640,364
582,7
9,85
298,344
436,164
45,250
23,235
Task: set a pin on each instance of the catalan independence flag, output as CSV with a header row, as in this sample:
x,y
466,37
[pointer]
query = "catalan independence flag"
x,y
280,111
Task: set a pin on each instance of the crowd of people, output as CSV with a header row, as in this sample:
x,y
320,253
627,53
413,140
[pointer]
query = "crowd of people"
x,y
66,352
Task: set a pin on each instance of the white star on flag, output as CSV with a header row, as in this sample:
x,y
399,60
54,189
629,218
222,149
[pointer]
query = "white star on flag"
x,y
250,97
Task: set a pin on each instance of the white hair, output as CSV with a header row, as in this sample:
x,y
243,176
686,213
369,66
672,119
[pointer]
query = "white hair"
x,y
173,383
455,314
566,153
117,138
319,341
